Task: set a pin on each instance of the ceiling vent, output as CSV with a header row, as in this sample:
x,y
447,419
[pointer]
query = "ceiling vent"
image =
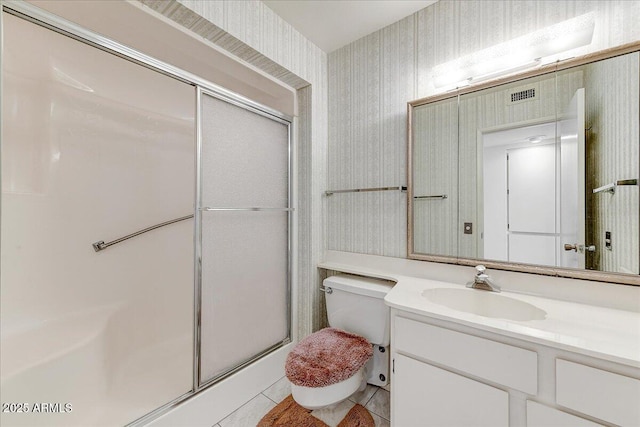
x,y
528,94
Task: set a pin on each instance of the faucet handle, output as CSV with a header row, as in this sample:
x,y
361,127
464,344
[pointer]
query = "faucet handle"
x,y
480,269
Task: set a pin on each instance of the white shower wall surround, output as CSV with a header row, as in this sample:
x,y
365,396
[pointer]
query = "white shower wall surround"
x,y
93,147
106,134
372,79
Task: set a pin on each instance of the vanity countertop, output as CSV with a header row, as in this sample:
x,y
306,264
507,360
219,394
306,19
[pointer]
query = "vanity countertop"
x,y
607,333
601,332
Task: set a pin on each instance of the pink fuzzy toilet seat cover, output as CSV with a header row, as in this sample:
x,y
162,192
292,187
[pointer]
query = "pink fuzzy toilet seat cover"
x,y
327,357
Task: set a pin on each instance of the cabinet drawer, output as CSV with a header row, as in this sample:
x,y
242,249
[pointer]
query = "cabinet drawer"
x,y
501,363
424,395
610,397
539,415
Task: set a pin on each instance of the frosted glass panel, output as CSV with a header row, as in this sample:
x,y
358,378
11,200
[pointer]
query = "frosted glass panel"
x,y
245,254
94,147
245,157
244,286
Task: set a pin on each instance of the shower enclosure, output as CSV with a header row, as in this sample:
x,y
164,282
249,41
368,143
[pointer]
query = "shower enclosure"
x,y
146,217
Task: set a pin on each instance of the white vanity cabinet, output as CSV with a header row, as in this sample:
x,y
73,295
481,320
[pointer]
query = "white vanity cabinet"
x,y
466,357
447,374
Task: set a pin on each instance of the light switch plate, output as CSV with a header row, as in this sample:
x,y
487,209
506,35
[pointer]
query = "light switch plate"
x,y
468,228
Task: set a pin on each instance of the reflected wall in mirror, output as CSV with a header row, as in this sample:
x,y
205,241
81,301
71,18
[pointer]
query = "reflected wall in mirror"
x,y
536,171
435,189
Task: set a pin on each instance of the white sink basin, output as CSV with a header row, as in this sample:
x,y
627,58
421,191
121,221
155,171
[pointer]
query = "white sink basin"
x,y
484,303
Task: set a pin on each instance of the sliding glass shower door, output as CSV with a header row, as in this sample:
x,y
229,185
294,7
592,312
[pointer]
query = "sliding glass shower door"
x,y
244,217
102,313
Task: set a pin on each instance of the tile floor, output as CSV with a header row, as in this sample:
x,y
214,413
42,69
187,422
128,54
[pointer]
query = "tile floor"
x,y
375,399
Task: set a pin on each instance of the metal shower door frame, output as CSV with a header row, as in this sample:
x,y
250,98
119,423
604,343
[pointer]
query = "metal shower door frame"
x,y
253,107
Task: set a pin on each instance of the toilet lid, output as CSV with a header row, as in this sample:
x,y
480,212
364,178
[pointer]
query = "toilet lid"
x,y
327,357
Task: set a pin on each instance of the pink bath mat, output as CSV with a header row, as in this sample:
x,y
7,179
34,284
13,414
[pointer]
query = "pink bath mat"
x,y
327,357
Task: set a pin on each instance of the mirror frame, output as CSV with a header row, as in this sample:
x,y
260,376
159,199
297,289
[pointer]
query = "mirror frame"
x,y
619,278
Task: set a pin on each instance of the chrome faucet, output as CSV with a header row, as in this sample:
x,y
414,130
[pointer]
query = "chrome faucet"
x,y
483,281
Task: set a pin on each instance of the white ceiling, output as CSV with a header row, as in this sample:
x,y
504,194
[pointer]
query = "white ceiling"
x,y
546,131
331,24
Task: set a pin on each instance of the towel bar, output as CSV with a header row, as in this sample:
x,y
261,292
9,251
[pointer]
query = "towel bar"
x,y
611,188
440,196
362,190
101,245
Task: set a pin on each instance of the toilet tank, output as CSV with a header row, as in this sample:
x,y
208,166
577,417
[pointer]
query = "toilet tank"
x,y
356,304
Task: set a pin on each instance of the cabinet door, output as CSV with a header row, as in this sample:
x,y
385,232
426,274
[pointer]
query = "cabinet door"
x,y
423,395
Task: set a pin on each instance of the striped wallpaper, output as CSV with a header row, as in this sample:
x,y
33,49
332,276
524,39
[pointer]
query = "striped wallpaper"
x,y
372,79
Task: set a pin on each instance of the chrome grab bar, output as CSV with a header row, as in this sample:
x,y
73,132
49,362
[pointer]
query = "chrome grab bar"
x,y
101,245
363,190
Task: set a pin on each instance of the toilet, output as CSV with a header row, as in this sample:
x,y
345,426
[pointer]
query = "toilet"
x,y
330,365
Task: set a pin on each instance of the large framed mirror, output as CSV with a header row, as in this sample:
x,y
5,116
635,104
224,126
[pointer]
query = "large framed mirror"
x,y
537,172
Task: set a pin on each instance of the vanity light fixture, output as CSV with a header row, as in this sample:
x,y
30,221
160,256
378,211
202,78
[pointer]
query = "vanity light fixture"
x,y
534,49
